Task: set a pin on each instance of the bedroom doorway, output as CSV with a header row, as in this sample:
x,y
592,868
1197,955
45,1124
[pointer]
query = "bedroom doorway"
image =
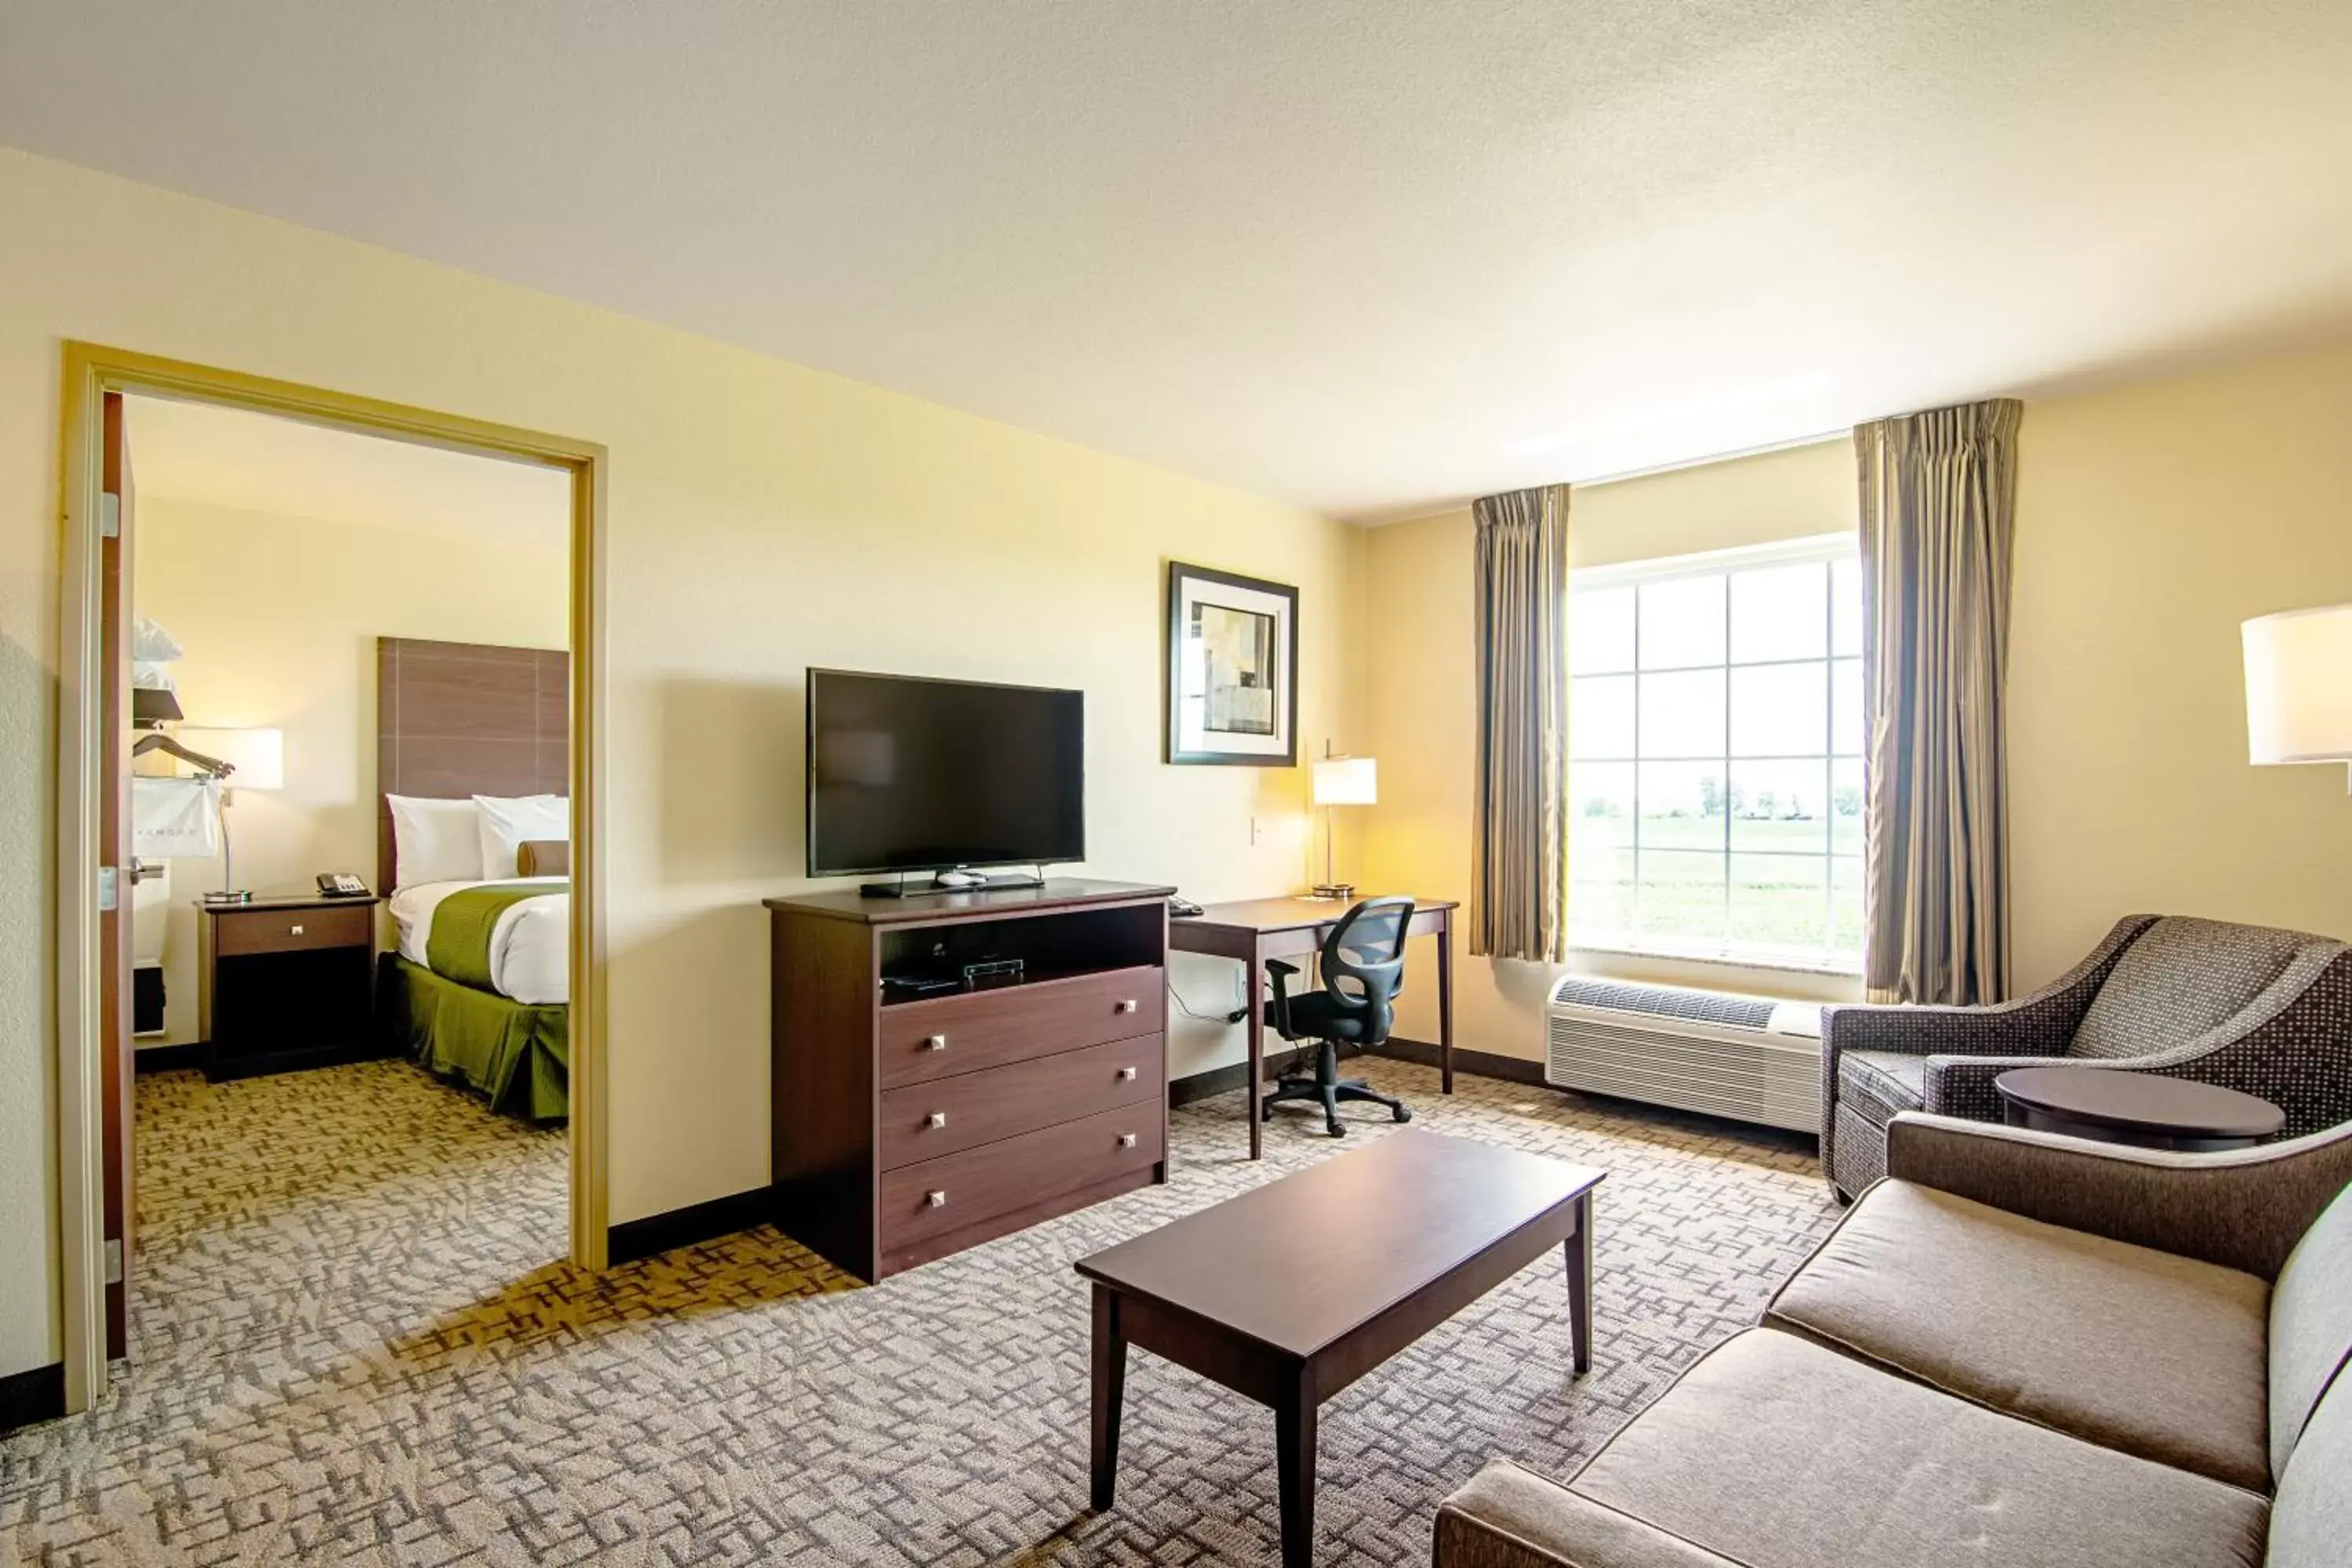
x,y
303,635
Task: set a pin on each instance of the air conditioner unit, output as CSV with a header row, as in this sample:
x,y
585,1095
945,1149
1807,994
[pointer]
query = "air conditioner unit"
x,y
1748,1057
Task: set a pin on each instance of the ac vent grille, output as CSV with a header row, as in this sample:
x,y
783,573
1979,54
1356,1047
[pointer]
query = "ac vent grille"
x,y
1666,1002
1742,1057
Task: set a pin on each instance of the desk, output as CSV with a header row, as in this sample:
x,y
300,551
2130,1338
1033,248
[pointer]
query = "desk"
x,y
1256,930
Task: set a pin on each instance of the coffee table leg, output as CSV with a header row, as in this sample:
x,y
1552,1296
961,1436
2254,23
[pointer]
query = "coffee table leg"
x,y
1293,1442
1579,1285
1110,1394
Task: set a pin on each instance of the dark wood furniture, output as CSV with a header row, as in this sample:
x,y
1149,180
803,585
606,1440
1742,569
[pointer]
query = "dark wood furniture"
x,y
907,1127
455,719
2148,1111
1276,1295
1256,929
283,983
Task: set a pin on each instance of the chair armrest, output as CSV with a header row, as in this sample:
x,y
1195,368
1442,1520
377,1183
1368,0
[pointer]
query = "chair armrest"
x,y
1507,1517
1278,975
1963,1086
2241,1208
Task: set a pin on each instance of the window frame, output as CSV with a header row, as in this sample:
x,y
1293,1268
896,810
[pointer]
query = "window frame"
x,y
1825,550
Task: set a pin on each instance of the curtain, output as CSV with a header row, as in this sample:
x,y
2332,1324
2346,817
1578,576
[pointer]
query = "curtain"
x,y
1939,504
1518,888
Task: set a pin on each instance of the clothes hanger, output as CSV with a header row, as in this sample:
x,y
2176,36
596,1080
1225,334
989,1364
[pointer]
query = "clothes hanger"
x,y
212,767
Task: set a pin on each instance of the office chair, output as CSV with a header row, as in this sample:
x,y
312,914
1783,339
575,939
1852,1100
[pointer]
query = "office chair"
x,y
1363,966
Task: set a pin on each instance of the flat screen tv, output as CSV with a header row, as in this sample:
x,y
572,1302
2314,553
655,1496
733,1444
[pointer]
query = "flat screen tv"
x,y
907,774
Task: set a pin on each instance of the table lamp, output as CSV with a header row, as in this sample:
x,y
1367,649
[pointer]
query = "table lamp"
x,y
258,757
1341,781
2299,686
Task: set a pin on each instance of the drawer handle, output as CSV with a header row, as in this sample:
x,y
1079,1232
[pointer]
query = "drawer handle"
x,y
1127,1139
936,1043
936,1118
936,1198
294,931
1127,1007
1127,1074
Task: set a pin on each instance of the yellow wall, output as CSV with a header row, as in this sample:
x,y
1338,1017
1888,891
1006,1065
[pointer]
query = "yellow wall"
x,y
763,517
2151,521
280,618
1424,728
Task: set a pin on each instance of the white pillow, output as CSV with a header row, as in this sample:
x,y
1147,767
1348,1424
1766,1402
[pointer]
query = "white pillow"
x,y
507,824
436,840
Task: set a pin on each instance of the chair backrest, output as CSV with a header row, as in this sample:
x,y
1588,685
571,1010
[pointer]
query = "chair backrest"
x,y
1363,965
2310,1329
2179,979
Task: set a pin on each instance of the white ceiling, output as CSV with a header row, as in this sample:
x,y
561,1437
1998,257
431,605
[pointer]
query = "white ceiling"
x,y
1368,257
258,462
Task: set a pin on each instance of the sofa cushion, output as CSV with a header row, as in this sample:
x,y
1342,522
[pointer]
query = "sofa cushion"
x,y
1881,1084
2311,1325
1777,1453
2181,978
1505,1516
2311,1520
2137,1350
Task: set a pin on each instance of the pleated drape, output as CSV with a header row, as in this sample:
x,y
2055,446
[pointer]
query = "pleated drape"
x,y
1519,888
1939,508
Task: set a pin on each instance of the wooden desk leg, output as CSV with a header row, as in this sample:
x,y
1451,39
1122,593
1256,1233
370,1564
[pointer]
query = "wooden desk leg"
x,y
1109,1395
1293,1442
1445,1005
1255,988
1579,1286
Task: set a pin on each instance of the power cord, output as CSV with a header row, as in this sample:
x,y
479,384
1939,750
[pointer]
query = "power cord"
x,y
1235,1016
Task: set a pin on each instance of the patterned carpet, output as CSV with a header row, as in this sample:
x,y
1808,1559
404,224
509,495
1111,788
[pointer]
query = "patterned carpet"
x,y
350,1347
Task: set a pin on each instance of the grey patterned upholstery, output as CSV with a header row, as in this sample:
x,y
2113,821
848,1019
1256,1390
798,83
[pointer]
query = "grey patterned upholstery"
x,y
2249,1008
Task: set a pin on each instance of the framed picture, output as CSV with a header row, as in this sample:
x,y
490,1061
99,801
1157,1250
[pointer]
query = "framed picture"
x,y
1233,669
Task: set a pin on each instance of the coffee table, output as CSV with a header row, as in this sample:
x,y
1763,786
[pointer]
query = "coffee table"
x,y
1290,1292
2147,1110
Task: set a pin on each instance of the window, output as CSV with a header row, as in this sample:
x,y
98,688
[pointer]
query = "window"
x,y
1714,756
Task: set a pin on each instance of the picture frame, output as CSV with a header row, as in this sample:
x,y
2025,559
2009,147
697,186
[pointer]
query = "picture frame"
x,y
1232,669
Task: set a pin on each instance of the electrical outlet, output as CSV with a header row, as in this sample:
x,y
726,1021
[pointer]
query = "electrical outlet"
x,y
1257,830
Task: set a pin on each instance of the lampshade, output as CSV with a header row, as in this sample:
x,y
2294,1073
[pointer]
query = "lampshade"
x,y
258,756
2299,686
1346,781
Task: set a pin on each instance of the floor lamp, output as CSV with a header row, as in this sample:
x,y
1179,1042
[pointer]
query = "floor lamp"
x,y
2299,686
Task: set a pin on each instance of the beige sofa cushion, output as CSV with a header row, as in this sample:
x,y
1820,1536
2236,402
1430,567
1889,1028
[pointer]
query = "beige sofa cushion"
x,y
1505,1517
2144,1352
1777,1453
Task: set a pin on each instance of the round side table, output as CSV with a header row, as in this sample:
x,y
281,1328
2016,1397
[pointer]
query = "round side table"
x,y
2146,1109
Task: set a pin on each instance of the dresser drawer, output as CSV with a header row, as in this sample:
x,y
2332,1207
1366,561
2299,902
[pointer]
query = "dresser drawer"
x,y
960,1190
243,932
949,1035
926,1121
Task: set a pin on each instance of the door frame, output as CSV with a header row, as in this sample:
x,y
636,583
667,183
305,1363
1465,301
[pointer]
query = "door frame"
x,y
92,371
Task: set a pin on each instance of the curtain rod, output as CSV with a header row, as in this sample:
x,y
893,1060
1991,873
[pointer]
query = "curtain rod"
x,y
1790,445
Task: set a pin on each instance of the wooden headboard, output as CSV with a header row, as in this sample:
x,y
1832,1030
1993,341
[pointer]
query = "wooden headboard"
x,y
459,719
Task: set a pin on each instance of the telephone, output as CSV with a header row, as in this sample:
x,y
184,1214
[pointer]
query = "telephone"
x,y
341,885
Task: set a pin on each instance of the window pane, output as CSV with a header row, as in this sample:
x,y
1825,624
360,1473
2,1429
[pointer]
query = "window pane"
x,y
1845,708
1780,611
1601,631
1845,605
1680,896
1682,806
1780,805
1681,715
1601,895
1780,902
1600,717
1780,710
1682,623
1845,806
1600,809
1846,906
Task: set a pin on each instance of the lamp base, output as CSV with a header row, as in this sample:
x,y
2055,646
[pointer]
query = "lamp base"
x,y
230,896
1340,892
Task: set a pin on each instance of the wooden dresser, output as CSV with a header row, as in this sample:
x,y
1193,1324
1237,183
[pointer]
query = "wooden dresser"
x,y
906,1127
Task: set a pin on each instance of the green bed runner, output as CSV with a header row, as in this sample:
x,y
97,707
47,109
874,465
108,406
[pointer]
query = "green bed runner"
x,y
458,945
515,1054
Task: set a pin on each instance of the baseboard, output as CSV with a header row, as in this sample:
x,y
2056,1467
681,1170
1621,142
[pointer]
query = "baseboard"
x,y
632,1239
1207,1085
168,1058
38,1395
1485,1064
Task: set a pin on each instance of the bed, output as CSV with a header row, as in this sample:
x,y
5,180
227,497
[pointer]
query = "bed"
x,y
476,985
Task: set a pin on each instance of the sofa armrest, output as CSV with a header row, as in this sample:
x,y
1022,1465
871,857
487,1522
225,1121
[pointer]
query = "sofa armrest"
x,y
2241,1208
1507,1517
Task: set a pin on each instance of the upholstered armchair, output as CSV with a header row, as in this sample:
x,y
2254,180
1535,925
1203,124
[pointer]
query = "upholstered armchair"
x,y
2268,1011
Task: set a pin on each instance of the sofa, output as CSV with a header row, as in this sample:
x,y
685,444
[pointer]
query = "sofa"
x,y
2018,1348
2249,1008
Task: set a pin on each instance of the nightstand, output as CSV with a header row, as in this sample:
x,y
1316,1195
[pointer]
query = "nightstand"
x,y
283,983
